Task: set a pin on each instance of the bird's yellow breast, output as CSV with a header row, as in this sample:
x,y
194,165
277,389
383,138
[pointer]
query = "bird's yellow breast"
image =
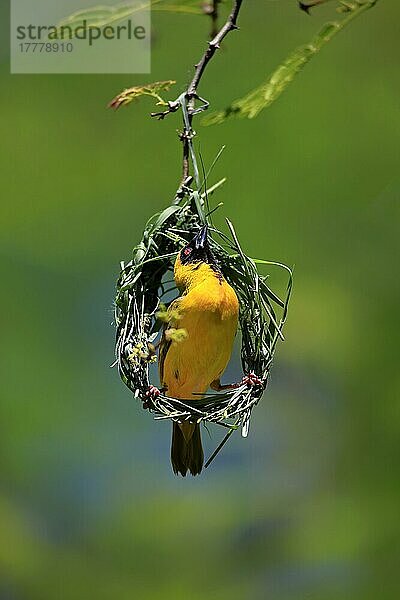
x,y
209,314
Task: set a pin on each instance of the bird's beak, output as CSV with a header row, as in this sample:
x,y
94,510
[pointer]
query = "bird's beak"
x,y
201,238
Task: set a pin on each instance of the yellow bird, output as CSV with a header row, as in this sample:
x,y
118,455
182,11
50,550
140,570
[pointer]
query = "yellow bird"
x,y
208,312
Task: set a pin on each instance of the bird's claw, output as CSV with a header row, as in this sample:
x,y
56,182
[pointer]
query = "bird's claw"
x,y
152,392
251,380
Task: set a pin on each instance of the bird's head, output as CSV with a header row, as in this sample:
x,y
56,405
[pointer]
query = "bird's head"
x,y
194,260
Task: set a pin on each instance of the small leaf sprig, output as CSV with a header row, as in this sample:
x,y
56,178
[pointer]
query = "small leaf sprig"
x,y
102,16
150,89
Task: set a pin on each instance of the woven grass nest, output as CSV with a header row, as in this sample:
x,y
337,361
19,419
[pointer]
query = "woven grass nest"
x,y
146,283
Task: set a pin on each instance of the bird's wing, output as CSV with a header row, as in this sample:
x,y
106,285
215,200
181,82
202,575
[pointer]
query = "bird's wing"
x,y
164,343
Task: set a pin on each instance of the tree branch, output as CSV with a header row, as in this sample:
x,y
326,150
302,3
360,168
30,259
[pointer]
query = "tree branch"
x,y
213,46
191,93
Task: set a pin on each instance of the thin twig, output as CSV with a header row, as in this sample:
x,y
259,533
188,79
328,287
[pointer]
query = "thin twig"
x,y
211,8
200,67
185,157
190,96
307,6
214,17
172,107
213,46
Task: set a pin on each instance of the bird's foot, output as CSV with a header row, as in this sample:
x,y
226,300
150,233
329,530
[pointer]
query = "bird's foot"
x,y
251,380
152,392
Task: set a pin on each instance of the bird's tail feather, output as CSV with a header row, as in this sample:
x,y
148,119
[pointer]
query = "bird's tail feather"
x,y
186,450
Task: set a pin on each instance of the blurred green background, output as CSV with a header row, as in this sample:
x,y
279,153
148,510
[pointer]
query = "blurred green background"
x,y
308,506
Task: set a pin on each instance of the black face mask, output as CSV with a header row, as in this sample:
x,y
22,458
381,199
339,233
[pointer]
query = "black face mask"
x,y
198,250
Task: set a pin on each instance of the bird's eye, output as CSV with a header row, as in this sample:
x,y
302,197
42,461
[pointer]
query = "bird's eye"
x,y
187,251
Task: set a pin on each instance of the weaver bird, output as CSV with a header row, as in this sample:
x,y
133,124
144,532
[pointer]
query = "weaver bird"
x,y
207,311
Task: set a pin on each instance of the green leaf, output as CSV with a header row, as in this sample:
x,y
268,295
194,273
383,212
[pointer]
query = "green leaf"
x,y
185,7
262,97
101,16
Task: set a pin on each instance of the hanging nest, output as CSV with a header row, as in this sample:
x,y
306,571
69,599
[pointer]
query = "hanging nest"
x,y
143,286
